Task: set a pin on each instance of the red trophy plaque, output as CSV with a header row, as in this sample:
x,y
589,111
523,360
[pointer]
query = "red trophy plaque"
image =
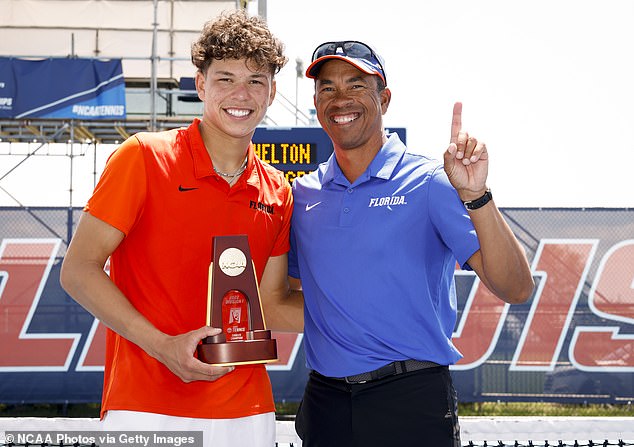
x,y
233,304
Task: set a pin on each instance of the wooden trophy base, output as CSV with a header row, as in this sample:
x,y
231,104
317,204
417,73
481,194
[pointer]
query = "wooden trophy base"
x,y
259,347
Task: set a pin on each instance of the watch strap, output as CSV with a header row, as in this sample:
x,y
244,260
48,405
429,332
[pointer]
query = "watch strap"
x,y
479,202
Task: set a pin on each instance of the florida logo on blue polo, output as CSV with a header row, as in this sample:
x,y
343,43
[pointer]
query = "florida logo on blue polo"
x,y
387,201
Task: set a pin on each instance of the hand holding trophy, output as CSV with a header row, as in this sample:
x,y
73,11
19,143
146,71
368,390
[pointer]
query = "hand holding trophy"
x,y
233,304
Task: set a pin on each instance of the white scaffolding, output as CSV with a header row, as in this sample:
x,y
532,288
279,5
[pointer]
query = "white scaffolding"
x,y
152,38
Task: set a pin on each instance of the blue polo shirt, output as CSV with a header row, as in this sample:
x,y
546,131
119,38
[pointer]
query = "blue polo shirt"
x,y
376,259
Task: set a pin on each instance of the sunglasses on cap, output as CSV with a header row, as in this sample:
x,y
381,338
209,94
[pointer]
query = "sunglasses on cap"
x,y
351,49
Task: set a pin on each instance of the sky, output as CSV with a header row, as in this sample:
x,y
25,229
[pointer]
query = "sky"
x,y
546,84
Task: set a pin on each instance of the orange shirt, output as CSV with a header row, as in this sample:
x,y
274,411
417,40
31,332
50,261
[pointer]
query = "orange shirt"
x,y
160,189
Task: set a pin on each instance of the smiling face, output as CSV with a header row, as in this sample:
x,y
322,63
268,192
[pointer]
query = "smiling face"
x,y
349,107
236,96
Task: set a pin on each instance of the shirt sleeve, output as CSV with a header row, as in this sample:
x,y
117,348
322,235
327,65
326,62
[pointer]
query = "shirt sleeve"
x,y
451,219
119,196
293,267
293,263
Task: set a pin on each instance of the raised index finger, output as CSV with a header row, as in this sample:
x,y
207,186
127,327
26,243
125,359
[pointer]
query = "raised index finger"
x,y
456,122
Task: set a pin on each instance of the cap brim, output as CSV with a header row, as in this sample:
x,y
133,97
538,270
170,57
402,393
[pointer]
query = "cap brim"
x,y
313,69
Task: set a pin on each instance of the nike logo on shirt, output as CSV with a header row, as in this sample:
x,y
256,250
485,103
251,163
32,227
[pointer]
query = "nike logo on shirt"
x,y
182,189
310,207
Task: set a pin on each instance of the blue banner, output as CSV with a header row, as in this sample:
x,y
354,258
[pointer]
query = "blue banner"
x,y
572,342
86,89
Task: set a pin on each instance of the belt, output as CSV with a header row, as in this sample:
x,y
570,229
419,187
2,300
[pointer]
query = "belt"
x,y
391,369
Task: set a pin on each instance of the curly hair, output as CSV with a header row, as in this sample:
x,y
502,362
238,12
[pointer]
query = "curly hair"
x,y
235,35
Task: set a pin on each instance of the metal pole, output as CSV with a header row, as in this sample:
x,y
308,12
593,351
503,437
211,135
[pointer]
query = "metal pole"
x,y
71,156
299,68
172,53
94,164
262,9
153,81
296,98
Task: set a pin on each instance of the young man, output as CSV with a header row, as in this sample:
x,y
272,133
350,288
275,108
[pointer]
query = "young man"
x,y
376,233
160,201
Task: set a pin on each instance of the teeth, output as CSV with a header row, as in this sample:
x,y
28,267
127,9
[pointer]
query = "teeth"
x,y
239,113
343,119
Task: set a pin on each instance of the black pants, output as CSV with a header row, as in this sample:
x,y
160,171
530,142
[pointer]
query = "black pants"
x,y
418,408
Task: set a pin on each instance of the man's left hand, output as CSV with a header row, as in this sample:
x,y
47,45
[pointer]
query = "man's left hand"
x,y
466,160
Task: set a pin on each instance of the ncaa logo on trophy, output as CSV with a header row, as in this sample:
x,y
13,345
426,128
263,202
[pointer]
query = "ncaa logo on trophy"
x,y
233,304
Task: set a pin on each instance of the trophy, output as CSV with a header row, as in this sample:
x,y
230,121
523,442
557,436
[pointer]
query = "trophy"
x,y
233,304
